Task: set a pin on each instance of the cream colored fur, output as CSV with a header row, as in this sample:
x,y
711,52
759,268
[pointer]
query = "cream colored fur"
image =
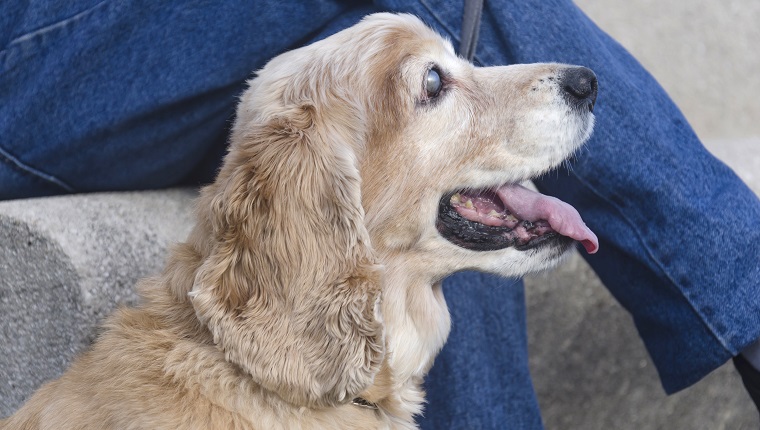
x,y
313,274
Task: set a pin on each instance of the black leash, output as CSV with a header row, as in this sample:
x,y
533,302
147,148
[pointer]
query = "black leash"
x,y
470,28
750,378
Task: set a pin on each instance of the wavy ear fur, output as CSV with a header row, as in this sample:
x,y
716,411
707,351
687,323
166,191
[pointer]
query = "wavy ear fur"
x,y
291,289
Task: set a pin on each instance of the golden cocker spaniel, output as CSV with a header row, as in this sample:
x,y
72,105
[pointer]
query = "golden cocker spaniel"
x,y
362,170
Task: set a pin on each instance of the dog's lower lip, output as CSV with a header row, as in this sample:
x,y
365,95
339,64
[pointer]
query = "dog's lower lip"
x,y
459,222
509,215
481,237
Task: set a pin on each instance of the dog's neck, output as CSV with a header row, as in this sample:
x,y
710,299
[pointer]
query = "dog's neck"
x,y
416,319
414,313
417,324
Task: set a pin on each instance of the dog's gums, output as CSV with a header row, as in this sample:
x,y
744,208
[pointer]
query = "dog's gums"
x,y
511,215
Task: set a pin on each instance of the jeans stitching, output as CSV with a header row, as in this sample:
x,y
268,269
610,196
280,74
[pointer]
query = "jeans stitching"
x,y
16,164
18,42
53,26
657,262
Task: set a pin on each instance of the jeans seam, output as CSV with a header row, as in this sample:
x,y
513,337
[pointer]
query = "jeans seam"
x,y
645,246
29,36
23,168
53,26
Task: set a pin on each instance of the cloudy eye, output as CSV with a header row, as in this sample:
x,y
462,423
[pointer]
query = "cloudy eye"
x,y
433,83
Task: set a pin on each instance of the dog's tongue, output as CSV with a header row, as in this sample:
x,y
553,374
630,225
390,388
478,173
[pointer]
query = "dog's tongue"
x,y
563,218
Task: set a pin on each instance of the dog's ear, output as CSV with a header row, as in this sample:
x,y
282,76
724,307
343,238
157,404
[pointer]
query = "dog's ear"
x,y
291,288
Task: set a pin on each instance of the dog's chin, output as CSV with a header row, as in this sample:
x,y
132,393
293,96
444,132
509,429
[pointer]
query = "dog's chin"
x,y
511,216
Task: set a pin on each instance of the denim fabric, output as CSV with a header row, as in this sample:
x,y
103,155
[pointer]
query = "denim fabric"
x,y
679,231
116,95
481,379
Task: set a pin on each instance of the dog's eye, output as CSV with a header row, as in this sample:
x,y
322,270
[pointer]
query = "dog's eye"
x,y
433,83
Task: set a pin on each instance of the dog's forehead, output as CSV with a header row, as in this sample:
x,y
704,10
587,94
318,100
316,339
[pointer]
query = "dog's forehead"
x,y
401,37
404,26
410,49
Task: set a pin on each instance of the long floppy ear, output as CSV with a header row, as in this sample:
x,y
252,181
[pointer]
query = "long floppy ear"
x,y
291,287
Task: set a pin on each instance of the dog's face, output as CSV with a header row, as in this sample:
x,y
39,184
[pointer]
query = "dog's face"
x,y
374,163
440,144
440,176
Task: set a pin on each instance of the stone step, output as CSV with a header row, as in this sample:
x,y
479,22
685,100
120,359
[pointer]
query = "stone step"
x,y
68,261
65,264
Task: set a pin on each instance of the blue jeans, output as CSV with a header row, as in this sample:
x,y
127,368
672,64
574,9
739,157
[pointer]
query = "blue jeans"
x,y
117,95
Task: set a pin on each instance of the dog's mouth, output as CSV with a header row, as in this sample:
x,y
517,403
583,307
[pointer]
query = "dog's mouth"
x,y
510,216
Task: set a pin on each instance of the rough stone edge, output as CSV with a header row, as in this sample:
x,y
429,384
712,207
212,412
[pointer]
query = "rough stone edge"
x,y
105,242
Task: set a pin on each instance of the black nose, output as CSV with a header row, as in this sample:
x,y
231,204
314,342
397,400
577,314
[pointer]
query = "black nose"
x,y
579,85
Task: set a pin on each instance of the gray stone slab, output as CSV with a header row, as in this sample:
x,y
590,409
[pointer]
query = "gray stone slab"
x,y
66,263
42,325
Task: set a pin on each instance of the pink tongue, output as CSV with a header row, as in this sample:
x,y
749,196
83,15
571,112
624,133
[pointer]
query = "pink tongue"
x,y
563,218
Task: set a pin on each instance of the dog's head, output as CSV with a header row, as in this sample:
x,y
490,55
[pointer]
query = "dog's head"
x,y
376,146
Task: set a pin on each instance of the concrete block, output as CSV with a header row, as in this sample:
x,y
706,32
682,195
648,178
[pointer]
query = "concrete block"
x,y
65,264
68,261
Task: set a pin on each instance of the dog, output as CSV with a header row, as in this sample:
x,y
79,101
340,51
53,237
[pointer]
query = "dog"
x,y
362,170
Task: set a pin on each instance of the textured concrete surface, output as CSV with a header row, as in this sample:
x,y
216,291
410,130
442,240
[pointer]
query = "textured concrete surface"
x,y
703,52
592,372
65,264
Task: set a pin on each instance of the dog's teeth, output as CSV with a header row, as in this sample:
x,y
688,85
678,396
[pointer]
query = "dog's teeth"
x,y
511,218
468,204
493,213
456,199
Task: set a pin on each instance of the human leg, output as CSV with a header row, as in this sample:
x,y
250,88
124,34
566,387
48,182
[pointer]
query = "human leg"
x,y
103,95
678,229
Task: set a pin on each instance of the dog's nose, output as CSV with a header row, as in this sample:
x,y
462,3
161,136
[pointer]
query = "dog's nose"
x,y
579,85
